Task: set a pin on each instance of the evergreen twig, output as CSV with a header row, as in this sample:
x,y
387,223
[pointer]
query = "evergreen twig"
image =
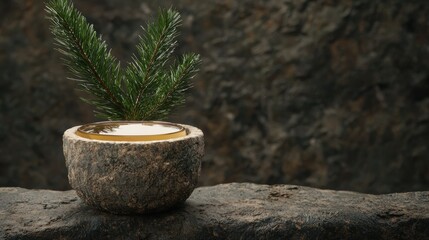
x,y
149,87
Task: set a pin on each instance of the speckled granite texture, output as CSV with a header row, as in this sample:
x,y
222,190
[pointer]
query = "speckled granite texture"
x,y
227,211
134,177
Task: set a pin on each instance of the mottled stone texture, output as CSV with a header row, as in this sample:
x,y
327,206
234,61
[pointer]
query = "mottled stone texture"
x,y
134,177
323,93
229,211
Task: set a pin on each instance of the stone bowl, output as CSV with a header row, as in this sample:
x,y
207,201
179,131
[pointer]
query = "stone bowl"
x,y
134,177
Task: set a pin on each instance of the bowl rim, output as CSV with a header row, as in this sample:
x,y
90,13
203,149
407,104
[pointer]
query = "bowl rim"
x,y
181,132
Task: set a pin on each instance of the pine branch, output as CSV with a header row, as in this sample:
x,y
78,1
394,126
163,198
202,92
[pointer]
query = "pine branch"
x,y
87,57
171,92
154,51
149,87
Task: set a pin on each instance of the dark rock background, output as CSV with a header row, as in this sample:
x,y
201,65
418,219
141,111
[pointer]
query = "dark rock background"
x,y
331,94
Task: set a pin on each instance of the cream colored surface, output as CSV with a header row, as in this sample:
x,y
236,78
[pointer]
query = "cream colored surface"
x,y
131,131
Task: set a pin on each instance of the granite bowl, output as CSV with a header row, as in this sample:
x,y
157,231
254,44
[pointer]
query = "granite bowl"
x,y
134,177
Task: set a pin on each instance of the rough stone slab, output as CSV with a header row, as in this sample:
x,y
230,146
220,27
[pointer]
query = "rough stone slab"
x,y
228,211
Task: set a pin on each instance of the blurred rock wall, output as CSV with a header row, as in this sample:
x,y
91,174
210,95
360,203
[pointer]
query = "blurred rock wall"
x,y
329,93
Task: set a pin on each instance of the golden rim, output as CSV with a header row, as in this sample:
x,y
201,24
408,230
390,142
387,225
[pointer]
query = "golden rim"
x,y
181,132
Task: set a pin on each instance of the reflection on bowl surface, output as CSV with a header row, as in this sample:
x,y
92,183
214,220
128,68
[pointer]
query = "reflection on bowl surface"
x,y
131,131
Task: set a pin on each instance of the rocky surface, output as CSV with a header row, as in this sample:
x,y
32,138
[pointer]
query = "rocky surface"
x,y
229,211
134,177
324,93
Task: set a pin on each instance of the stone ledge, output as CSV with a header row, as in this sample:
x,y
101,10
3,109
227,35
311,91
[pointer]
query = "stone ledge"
x,y
228,211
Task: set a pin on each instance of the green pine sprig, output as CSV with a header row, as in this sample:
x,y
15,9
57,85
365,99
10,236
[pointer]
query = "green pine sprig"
x,y
150,86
